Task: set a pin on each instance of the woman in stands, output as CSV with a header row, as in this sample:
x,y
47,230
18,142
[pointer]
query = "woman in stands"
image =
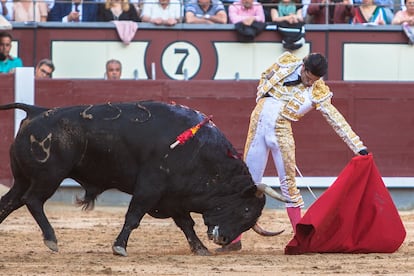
x,y
117,10
28,11
369,13
405,16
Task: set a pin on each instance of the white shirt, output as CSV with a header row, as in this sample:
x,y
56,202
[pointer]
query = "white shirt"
x,y
153,9
65,19
294,75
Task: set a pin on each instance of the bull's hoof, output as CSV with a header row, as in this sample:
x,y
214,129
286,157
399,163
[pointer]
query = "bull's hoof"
x,y
119,250
202,252
236,246
51,245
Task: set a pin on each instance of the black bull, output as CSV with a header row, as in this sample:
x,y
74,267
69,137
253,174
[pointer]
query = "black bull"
x,y
127,147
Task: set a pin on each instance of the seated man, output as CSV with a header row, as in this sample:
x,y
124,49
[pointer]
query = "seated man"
x,y
44,69
162,12
113,69
205,12
249,19
73,11
246,11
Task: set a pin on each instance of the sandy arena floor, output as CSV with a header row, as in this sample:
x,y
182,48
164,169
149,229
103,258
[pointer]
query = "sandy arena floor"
x,y
158,247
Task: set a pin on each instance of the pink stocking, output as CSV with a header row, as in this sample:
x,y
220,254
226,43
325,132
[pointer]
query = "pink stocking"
x,y
294,216
237,239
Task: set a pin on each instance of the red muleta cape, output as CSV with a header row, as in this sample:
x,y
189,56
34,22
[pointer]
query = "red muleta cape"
x,y
355,215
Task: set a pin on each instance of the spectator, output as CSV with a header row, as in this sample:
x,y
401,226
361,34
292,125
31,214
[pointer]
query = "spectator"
x,y
7,62
248,18
387,5
287,11
246,11
113,69
288,17
369,12
405,16
205,12
73,11
338,12
162,12
28,10
44,69
117,10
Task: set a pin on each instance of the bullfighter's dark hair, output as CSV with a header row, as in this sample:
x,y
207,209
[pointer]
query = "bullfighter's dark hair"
x,y
316,64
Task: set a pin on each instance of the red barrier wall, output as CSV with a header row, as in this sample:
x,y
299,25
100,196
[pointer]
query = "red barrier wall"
x,y
381,113
6,127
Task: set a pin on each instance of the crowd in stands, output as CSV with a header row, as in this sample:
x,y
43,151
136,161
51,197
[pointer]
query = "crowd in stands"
x,y
171,12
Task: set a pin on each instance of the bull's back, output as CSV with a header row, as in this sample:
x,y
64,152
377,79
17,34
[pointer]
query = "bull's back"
x,y
115,142
142,128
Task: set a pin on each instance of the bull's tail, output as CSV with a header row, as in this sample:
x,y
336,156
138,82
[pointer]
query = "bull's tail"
x,y
31,110
88,201
87,204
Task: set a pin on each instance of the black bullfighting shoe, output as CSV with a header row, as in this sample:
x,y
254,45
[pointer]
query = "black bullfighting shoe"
x,y
236,246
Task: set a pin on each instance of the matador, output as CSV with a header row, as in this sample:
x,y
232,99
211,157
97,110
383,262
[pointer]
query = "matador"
x,y
287,90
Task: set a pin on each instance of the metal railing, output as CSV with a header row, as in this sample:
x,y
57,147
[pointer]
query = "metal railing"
x,y
397,5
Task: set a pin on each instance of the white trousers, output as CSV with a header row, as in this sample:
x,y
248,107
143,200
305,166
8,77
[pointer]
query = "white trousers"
x,y
269,132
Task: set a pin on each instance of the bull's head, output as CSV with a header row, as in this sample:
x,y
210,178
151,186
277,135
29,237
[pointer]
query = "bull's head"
x,y
238,213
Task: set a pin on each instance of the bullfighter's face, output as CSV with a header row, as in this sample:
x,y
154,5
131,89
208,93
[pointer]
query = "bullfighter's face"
x,y
307,77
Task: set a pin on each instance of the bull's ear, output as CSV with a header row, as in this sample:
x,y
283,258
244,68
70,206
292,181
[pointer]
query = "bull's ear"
x,y
249,191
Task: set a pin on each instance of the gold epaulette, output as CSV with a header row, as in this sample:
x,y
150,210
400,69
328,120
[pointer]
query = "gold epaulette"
x,y
288,58
284,66
320,92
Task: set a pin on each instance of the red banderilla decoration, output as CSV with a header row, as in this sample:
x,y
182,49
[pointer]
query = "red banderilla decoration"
x,y
189,133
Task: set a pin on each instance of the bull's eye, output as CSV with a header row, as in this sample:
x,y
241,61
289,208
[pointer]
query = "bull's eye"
x,y
246,210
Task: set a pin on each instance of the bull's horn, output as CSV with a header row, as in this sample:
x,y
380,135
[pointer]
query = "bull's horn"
x,y
272,193
259,230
